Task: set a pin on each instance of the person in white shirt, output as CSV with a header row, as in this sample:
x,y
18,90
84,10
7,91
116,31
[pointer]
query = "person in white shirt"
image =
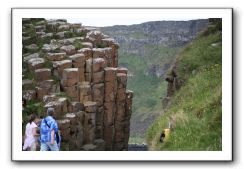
x,y
30,134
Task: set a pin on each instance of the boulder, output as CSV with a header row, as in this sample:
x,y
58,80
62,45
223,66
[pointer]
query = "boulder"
x,y
98,132
119,135
120,112
88,77
110,74
56,56
50,47
52,25
29,95
42,74
76,106
64,104
41,92
98,93
70,73
98,77
48,84
65,135
59,66
36,63
94,37
31,48
99,116
121,95
85,89
63,124
122,80
87,52
109,42
40,34
70,41
98,64
89,66
27,84
26,40
90,107
110,91
31,56
47,36
122,70
49,98
69,82
63,27
89,127
57,108
129,94
40,28
71,92
81,74
87,45
105,53
69,49
81,117
78,58
85,92
61,35
71,117
109,113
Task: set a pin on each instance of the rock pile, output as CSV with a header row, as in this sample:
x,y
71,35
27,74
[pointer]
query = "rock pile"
x,y
75,70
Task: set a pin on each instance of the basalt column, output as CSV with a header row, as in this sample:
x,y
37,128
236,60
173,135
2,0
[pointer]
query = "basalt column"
x,y
120,124
109,106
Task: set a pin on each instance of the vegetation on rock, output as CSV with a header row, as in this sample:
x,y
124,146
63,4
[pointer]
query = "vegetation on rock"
x,y
195,110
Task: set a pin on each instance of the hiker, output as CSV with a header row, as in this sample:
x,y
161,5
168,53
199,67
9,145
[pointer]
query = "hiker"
x,y
48,131
30,143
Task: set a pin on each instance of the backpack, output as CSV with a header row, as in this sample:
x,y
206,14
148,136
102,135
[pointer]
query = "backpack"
x,y
58,137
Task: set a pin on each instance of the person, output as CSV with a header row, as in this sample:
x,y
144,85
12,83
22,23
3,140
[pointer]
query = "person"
x,y
48,129
30,142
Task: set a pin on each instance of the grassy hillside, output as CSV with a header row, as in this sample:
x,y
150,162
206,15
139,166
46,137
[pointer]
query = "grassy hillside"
x,y
195,110
148,89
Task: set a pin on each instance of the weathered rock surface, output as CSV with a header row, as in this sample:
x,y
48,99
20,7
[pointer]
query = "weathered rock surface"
x,y
76,72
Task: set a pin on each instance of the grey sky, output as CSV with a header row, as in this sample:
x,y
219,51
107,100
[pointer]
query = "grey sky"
x,y
118,21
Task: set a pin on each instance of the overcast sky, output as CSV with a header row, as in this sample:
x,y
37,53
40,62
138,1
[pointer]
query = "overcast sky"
x,y
110,17
119,21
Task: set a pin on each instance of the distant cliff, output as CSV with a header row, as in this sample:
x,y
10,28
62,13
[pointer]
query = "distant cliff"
x,y
150,39
166,33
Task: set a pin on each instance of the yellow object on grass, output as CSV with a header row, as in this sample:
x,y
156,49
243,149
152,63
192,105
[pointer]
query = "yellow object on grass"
x,y
167,133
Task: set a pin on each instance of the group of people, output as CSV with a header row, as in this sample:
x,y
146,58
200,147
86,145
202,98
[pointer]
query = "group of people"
x,y
49,139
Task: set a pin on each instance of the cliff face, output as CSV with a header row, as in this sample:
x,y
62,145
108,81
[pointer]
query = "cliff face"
x,y
75,70
165,33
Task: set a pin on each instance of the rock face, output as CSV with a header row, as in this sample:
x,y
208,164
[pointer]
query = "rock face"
x,y
81,80
149,38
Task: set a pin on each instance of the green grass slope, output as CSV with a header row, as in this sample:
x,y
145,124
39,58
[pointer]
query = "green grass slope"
x,y
195,110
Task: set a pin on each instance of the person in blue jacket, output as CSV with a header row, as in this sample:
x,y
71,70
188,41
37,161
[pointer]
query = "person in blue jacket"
x,y
48,132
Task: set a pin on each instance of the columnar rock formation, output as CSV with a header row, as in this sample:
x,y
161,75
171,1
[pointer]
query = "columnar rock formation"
x,y
75,70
